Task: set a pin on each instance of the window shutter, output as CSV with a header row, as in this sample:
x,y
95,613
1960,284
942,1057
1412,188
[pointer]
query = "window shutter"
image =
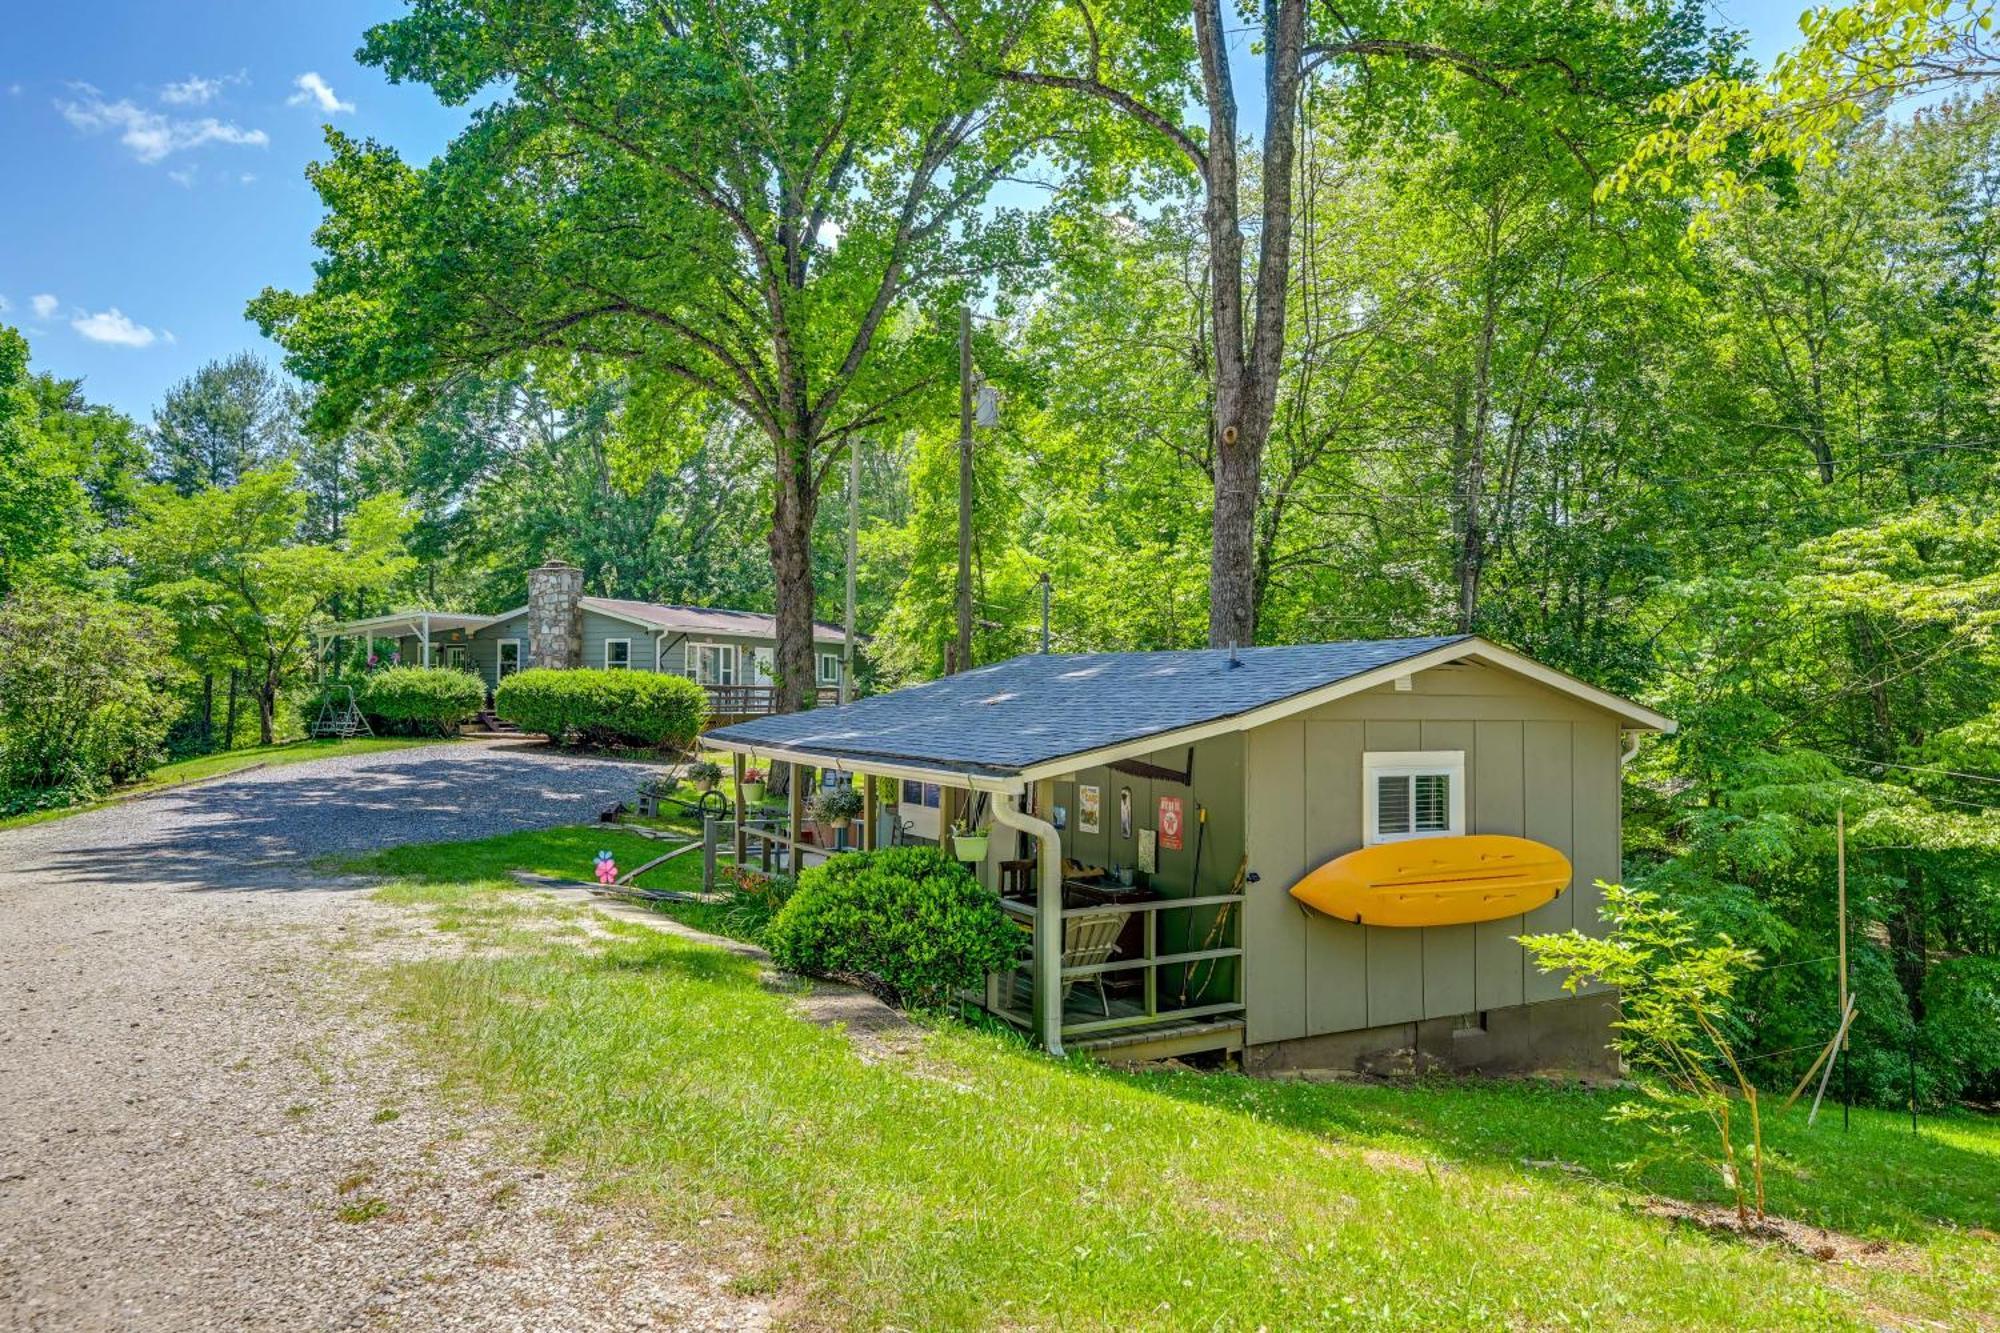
x,y
1392,804
1432,792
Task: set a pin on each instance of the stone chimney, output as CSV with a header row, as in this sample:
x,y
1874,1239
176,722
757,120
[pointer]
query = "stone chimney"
x,y
555,615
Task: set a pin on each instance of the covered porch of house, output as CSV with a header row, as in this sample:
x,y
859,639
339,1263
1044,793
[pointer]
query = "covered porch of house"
x,y
1125,963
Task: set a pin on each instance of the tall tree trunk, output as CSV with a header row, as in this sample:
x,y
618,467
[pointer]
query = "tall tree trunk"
x,y
207,710
795,503
267,708
229,724
1248,360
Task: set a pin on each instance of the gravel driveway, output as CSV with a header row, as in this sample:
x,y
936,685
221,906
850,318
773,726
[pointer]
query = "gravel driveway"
x,y
202,1125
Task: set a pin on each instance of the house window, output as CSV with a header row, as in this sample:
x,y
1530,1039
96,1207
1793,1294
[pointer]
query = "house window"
x,y
829,668
510,659
454,656
617,654
714,663
1412,794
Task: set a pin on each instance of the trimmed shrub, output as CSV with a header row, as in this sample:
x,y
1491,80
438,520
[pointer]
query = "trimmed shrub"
x,y
423,701
589,707
910,917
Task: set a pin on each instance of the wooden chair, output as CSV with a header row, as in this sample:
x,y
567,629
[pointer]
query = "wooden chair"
x,y
1088,941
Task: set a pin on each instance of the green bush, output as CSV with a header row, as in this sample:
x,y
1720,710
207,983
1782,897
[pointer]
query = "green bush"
x,y
423,701
86,691
635,708
910,917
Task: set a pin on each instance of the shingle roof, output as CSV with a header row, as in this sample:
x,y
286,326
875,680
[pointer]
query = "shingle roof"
x,y
1003,719
704,619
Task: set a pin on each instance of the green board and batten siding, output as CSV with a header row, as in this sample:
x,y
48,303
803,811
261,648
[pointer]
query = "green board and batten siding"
x,y
1537,763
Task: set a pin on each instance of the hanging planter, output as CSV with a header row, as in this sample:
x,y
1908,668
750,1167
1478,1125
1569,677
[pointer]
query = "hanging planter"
x,y
833,809
705,775
751,789
968,846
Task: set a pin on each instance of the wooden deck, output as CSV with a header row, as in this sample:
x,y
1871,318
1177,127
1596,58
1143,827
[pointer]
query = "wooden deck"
x,y
1171,1035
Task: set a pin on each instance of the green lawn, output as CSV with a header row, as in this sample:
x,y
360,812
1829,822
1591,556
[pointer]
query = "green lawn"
x,y
981,1184
227,762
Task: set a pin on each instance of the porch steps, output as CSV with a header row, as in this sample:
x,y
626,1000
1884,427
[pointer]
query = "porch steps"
x,y
1166,1042
496,725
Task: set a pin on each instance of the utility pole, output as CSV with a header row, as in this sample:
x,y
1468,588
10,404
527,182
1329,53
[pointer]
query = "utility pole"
x,y
1840,880
964,656
1045,613
853,531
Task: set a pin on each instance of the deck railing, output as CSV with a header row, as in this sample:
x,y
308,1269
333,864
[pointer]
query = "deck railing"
x,y
755,700
1150,960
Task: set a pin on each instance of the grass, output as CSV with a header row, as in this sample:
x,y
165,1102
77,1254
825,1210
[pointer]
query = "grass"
x,y
980,1184
220,765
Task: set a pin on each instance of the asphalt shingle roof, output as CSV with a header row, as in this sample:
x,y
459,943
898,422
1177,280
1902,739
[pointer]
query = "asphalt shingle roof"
x,y
1002,719
705,619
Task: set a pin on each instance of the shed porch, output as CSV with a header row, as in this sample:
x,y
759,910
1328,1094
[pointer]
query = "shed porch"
x,y
1125,972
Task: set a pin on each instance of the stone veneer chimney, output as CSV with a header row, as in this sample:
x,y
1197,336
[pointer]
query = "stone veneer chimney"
x,y
555,615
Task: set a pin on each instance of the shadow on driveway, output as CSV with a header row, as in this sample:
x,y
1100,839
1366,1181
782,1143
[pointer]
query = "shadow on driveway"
x,y
264,830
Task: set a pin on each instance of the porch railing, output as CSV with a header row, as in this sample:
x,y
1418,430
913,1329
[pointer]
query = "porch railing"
x,y
754,700
1150,961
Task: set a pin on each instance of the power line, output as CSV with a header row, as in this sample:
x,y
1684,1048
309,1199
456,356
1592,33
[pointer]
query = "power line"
x,y
1909,768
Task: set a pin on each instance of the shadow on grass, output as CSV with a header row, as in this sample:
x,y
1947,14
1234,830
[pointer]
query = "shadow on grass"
x,y
1876,1181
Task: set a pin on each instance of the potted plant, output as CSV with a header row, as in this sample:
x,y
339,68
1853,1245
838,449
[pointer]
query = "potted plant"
x,y
751,788
704,774
834,808
966,843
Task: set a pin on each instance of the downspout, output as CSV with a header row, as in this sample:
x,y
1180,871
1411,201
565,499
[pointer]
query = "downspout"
x,y
1048,916
1630,750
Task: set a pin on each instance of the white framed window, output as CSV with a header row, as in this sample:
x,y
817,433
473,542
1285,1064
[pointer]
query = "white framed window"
x,y
617,654
509,660
713,663
1412,794
454,656
829,668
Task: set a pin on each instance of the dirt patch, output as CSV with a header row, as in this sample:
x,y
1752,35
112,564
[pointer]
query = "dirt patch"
x,y
1814,1242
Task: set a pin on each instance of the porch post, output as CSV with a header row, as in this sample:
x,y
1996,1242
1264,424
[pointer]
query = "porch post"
x,y
795,807
870,810
424,649
742,842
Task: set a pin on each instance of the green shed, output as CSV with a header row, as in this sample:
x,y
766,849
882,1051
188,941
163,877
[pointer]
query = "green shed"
x,y
1149,814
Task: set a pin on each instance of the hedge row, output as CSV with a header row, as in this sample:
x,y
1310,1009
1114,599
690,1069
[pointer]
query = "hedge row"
x,y
590,707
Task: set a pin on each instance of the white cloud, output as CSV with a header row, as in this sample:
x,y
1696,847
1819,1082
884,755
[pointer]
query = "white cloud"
x,y
315,91
44,304
247,178
150,135
194,90
5,305
115,327
183,178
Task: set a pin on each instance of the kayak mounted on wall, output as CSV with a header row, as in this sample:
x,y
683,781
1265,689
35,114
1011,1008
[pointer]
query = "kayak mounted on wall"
x,y
1437,881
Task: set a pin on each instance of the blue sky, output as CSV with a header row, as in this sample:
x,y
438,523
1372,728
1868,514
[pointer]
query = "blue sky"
x,y
154,153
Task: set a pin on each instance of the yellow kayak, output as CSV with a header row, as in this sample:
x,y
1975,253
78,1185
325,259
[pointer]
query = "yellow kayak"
x,y
1437,881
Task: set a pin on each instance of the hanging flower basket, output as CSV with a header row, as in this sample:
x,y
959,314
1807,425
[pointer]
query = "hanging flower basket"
x,y
752,793
833,809
969,847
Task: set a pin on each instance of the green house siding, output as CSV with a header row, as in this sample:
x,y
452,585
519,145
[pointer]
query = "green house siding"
x,y
1537,763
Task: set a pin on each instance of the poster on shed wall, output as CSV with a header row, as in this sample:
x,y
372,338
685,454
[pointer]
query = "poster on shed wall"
x,y
1087,806
1170,823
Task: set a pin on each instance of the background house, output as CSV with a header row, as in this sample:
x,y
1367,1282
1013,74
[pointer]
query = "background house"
x,y
732,653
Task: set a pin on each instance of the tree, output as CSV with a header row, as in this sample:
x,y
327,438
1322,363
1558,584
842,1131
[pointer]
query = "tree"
x,y
1726,132
85,693
1143,61
222,421
227,564
750,198
42,506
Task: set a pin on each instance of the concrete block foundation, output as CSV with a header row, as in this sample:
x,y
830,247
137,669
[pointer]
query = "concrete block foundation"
x,y
1570,1037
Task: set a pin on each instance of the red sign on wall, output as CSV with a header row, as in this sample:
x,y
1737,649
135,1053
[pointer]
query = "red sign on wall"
x,y
1170,823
